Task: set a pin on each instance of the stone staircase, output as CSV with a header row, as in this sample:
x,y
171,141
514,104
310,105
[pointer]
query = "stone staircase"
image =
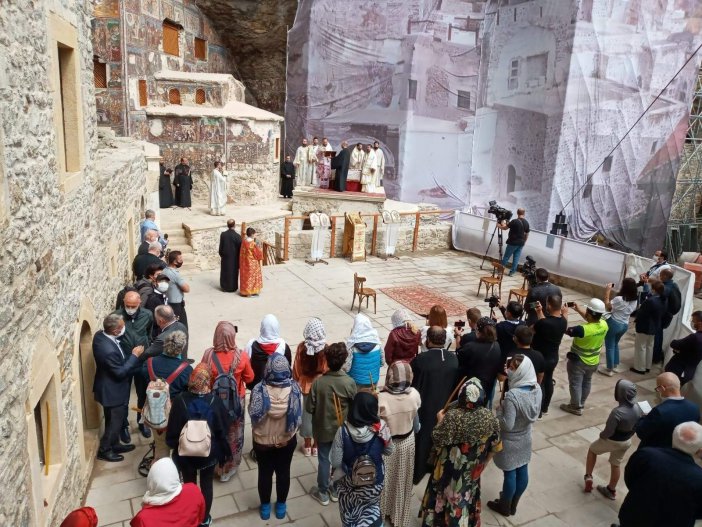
x,y
177,241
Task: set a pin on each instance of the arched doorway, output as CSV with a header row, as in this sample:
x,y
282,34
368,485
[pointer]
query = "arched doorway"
x,y
91,414
511,179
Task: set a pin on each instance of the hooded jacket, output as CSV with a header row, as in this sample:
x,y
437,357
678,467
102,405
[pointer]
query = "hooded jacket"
x,y
622,419
402,344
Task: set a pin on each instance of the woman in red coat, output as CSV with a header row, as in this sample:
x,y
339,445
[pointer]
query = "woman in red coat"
x,y
167,502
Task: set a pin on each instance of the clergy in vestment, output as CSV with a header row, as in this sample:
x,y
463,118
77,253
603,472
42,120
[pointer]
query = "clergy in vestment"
x,y
218,190
165,192
324,164
380,155
369,171
183,182
250,259
357,157
303,166
340,163
312,160
229,250
287,176
435,373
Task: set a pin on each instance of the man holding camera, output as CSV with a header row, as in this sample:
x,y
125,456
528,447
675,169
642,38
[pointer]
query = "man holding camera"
x,y
518,233
539,293
505,329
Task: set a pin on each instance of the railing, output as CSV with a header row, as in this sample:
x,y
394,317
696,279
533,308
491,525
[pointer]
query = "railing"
x,y
374,237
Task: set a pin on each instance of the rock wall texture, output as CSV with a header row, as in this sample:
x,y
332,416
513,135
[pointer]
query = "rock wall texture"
x,y
63,254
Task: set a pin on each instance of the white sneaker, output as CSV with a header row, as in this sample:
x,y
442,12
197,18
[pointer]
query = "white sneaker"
x,y
605,371
226,476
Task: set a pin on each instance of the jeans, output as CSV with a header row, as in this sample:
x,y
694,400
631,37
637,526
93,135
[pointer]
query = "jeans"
x,y
114,419
515,482
579,381
547,384
323,467
270,461
206,476
615,332
643,351
512,250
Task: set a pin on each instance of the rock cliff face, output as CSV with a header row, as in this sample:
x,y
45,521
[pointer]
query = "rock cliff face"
x,y
256,33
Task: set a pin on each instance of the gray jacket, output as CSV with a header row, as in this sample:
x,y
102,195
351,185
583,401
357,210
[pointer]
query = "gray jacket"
x,y
622,419
519,410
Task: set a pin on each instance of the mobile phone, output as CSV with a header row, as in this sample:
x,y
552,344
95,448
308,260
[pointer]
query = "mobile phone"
x,y
532,305
460,323
611,285
236,329
570,304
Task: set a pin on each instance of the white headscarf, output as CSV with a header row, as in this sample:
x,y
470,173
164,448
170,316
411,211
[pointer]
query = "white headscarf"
x,y
362,331
162,483
400,317
270,334
524,375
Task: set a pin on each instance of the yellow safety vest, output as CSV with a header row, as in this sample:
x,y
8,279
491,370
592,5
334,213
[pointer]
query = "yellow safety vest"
x,y
588,347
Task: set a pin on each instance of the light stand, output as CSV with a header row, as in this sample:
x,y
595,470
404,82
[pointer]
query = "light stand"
x,y
499,244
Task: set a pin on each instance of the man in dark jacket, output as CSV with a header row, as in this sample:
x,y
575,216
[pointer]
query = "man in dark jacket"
x,y
166,320
665,484
673,300
143,261
505,329
648,321
111,387
687,352
340,163
539,293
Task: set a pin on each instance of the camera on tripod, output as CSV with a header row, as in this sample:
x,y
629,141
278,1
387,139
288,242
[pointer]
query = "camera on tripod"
x,y
493,301
529,271
500,213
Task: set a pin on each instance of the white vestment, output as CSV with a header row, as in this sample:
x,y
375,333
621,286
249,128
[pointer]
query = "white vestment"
x,y
303,167
381,164
218,193
312,157
356,159
369,172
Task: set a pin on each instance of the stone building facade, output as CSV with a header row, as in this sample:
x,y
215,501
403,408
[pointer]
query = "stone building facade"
x,y
69,212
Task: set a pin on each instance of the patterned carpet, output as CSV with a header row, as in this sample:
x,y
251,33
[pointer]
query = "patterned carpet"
x,y
420,299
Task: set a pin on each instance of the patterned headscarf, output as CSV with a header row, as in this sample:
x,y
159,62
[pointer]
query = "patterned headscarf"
x,y
400,317
315,336
471,394
399,377
200,380
278,374
83,517
362,331
224,338
483,322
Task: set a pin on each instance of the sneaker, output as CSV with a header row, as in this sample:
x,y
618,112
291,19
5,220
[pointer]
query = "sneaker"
x,y
308,451
265,511
320,496
281,510
618,369
588,483
605,371
607,492
333,493
226,476
637,371
314,451
571,409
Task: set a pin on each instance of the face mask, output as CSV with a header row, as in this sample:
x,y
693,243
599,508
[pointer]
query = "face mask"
x,y
121,332
129,311
179,265
162,287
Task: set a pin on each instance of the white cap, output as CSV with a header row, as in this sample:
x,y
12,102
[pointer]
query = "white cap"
x,y
596,306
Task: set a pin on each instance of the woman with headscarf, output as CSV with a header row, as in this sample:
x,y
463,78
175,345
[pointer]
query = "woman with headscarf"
x,y
262,347
276,413
437,317
466,437
398,404
365,357
222,357
167,502
482,357
518,411
83,517
363,433
199,403
403,340
310,363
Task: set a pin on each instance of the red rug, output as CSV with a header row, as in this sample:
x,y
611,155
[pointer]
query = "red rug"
x,y
420,299
348,193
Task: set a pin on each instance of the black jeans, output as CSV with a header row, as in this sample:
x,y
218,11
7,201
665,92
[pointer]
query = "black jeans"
x,y
179,310
547,384
274,460
114,420
206,475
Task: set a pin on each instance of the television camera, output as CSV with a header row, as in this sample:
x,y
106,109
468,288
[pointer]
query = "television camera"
x,y
529,271
500,213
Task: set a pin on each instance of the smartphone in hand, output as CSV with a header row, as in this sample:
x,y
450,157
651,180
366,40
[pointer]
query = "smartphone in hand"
x,y
570,304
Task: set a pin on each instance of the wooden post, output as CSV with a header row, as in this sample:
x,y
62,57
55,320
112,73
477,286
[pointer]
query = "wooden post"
x,y
47,444
332,246
286,238
415,237
374,238
243,229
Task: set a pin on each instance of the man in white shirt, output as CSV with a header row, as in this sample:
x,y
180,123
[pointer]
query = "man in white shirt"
x,y
380,155
303,165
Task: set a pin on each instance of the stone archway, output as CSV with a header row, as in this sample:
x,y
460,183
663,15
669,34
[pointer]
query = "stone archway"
x,y
86,362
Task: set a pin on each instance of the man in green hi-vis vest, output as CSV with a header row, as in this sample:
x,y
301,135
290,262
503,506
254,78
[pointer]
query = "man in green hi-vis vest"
x,y
584,354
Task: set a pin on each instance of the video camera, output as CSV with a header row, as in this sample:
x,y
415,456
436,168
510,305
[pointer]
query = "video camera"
x,y
500,213
493,301
529,271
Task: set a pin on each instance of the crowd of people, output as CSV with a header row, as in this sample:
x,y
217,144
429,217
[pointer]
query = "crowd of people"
x,y
451,401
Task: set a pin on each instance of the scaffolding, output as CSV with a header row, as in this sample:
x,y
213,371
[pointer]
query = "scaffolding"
x,y
685,223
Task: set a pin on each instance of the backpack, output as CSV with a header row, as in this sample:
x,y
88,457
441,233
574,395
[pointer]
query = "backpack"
x,y
226,387
196,437
158,397
363,471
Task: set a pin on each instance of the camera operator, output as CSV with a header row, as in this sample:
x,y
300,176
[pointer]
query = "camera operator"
x,y
505,329
518,233
539,293
549,329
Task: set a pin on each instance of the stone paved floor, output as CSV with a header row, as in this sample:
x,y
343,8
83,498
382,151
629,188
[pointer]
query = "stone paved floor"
x,y
294,292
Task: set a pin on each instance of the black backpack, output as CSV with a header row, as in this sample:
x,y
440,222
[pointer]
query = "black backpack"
x,y
226,387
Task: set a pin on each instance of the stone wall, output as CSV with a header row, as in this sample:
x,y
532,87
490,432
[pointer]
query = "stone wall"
x,y
64,239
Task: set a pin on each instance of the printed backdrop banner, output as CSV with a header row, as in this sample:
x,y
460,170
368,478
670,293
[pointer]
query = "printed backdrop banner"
x,y
519,101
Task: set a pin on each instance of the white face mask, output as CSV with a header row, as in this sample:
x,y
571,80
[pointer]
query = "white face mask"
x,y
121,332
129,311
162,287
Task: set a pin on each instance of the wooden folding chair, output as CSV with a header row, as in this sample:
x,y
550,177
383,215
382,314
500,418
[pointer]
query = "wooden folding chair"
x,y
495,279
362,292
519,293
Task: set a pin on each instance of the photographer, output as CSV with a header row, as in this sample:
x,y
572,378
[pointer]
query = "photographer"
x,y
459,332
505,329
518,233
549,329
539,293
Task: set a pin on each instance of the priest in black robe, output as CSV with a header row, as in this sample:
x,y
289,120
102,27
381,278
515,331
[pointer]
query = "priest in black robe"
x,y
340,163
435,372
165,192
229,247
287,176
183,182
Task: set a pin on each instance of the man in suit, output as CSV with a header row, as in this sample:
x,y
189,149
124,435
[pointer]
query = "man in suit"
x,y
143,261
229,249
656,428
150,237
665,484
112,384
167,322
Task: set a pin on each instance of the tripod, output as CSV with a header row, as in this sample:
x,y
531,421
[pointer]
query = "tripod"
x,y
499,244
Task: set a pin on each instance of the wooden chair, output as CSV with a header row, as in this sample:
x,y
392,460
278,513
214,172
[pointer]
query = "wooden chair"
x,y
495,279
362,292
519,293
